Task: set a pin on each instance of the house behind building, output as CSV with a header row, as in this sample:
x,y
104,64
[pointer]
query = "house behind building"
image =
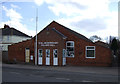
x,y
10,35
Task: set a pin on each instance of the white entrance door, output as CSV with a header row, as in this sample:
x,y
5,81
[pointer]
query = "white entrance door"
x,y
40,56
55,57
27,55
47,56
64,57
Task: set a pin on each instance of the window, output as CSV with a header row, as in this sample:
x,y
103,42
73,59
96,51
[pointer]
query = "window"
x,y
55,53
47,52
8,38
40,53
90,51
70,48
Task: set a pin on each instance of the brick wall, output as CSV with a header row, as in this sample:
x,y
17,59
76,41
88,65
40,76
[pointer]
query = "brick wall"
x,y
48,35
102,54
17,50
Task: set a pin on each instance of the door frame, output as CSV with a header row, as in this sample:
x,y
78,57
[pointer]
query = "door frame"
x,y
40,58
55,59
64,57
47,58
27,56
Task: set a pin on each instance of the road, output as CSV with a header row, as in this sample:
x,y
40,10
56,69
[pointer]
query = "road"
x,y
12,74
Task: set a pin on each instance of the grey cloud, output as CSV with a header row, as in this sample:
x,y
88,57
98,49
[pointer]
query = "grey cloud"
x,y
90,24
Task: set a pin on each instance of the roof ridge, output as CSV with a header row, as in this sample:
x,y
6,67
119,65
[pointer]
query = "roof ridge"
x,y
20,31
14,31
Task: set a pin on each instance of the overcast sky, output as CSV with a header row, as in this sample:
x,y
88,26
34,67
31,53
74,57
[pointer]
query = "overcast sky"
x,y
87,17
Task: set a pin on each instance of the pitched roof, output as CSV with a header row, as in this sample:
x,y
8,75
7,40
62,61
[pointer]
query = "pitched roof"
x,y
102,44
73,32
12,31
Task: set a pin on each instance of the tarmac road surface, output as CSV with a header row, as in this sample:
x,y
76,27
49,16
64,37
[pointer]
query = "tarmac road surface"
x,y
45,74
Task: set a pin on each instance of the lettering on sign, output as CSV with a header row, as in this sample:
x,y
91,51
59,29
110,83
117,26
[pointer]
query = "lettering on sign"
x,y
47,43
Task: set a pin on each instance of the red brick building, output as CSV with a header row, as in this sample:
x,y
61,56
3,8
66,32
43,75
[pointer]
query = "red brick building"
x,y
58,45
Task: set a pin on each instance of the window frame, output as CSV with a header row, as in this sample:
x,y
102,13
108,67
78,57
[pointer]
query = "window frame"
x,y
46,53
55,53
70,46
90,49
39,53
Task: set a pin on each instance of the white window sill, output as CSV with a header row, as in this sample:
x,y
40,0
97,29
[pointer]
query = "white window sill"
x,y
90,57
70,56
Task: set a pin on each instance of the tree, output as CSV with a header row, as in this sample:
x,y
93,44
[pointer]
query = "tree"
x,y
114,45
95,38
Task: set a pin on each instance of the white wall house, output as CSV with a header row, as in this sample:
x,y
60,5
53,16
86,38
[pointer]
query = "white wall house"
x,y
9,36
8,40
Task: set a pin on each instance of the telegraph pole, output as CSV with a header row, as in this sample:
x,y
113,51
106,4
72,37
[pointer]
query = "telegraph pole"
x,y
36,37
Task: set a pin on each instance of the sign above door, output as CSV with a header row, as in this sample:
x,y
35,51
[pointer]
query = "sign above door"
x,y
48,43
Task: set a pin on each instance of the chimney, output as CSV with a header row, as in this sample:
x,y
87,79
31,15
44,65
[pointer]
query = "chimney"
x,y
6,26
